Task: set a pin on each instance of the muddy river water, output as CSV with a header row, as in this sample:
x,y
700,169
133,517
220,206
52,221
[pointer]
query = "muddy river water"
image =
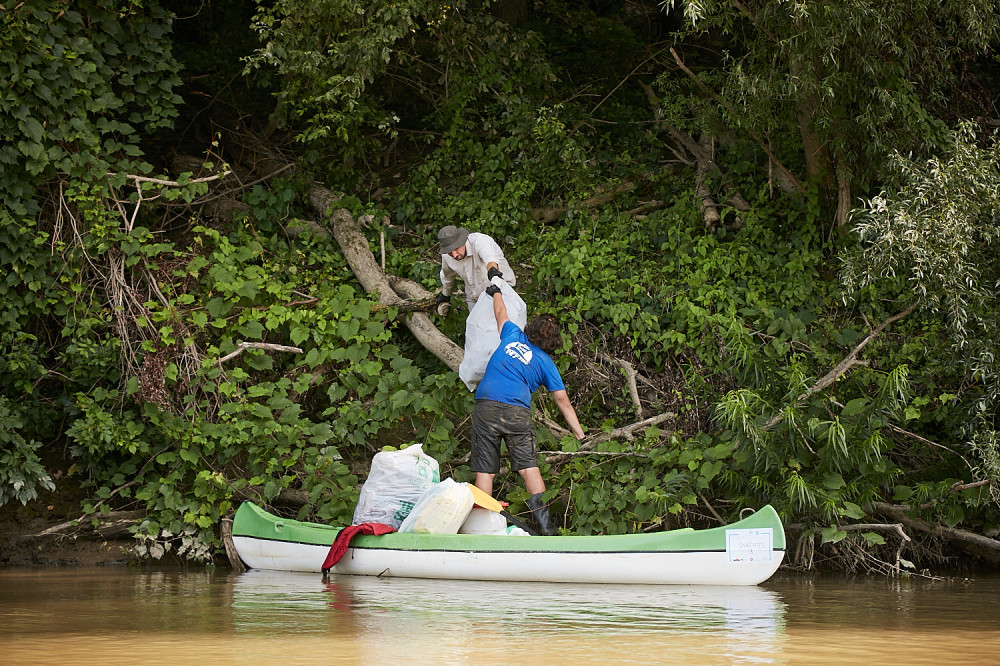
x,y
174,616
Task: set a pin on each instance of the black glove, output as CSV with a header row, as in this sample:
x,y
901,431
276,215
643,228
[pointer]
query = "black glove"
x,y
442,304
492,273
492,290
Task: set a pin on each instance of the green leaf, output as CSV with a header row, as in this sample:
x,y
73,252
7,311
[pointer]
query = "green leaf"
x,y
855,406
852,510
252,329
873,538
218,307
832,534
833,481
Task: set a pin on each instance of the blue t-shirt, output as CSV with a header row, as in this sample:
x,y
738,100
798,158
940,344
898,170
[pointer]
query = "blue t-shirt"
x,y
516,369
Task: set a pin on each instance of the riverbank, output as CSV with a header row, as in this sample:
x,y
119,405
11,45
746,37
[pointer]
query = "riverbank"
x,y
27,537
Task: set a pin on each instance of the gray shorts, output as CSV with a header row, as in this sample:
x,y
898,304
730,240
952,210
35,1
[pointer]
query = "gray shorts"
x,y
495,421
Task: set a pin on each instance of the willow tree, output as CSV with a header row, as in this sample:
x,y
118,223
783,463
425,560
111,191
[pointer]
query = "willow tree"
x,y
934,230
827,90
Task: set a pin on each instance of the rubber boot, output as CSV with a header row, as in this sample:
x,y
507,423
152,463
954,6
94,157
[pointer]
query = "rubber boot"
x,y
541,513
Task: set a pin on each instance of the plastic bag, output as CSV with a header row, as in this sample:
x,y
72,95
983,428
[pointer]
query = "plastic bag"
x,y
481,334
441,510
396,482
483,521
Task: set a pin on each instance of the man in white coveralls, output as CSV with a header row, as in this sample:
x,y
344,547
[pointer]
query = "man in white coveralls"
x,y
474,257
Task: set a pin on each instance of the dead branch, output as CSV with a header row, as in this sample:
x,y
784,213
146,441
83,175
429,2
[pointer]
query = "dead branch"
x,y
359,256
243,346
703,159
546,215
841,368
630,379
626,432
907,433
113,524
729,107
647,207
899,512
885,527
712,509
226,532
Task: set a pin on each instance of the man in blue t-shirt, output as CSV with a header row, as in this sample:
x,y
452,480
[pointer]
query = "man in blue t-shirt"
x,y
503,404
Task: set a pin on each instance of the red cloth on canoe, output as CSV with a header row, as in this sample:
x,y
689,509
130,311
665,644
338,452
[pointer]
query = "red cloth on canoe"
x,y
343,540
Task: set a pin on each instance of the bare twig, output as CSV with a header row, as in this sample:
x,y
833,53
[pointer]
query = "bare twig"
x,y
899,511
243,346
630,379
626,432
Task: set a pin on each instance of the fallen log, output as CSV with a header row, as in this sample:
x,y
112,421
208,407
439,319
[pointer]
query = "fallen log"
x,y
900,513
359,256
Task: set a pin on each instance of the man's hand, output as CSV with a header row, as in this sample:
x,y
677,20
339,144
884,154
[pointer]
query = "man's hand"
x,y
492,290
443,304
494,272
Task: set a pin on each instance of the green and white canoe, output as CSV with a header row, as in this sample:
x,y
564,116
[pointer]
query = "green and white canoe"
x,y
747,552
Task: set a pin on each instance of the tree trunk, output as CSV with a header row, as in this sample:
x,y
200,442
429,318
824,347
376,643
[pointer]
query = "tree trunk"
x,y
359,256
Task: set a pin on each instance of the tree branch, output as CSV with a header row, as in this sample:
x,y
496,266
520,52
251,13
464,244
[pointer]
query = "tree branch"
x,y
841,368
899,511
243,346
729,107
626,432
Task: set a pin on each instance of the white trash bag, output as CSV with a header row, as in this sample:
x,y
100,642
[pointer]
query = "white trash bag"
x,y
396,482
441,510
481,334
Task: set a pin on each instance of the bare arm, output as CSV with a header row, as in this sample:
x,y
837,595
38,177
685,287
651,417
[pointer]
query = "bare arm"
x,y
499,311
562,400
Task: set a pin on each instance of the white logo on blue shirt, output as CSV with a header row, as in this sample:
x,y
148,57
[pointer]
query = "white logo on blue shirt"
x,y
520,351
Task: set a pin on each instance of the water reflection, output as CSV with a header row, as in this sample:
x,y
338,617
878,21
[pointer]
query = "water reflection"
x,y
442,618
122,616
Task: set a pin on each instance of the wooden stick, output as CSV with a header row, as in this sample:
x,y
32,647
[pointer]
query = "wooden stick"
x,y
243,346
625,432
630,378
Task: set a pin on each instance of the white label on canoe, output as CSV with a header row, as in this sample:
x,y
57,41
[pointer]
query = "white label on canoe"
x,y
750,545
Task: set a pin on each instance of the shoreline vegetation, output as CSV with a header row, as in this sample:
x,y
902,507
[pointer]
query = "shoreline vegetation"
x,y
770,240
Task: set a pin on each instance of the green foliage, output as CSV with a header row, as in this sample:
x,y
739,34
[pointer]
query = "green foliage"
x,y
790,69
358,73
182,364
935,232
82,80
21,470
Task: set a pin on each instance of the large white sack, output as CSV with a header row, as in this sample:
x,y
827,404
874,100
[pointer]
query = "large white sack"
x,y
442,510
481,334
396,482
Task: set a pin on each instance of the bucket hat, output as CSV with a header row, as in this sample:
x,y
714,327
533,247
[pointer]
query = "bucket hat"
x,y
452,237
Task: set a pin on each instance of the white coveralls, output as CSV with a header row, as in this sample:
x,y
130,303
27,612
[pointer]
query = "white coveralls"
x,y
480,250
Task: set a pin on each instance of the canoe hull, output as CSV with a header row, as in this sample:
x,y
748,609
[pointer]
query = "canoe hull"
x,y
746,553
697,568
